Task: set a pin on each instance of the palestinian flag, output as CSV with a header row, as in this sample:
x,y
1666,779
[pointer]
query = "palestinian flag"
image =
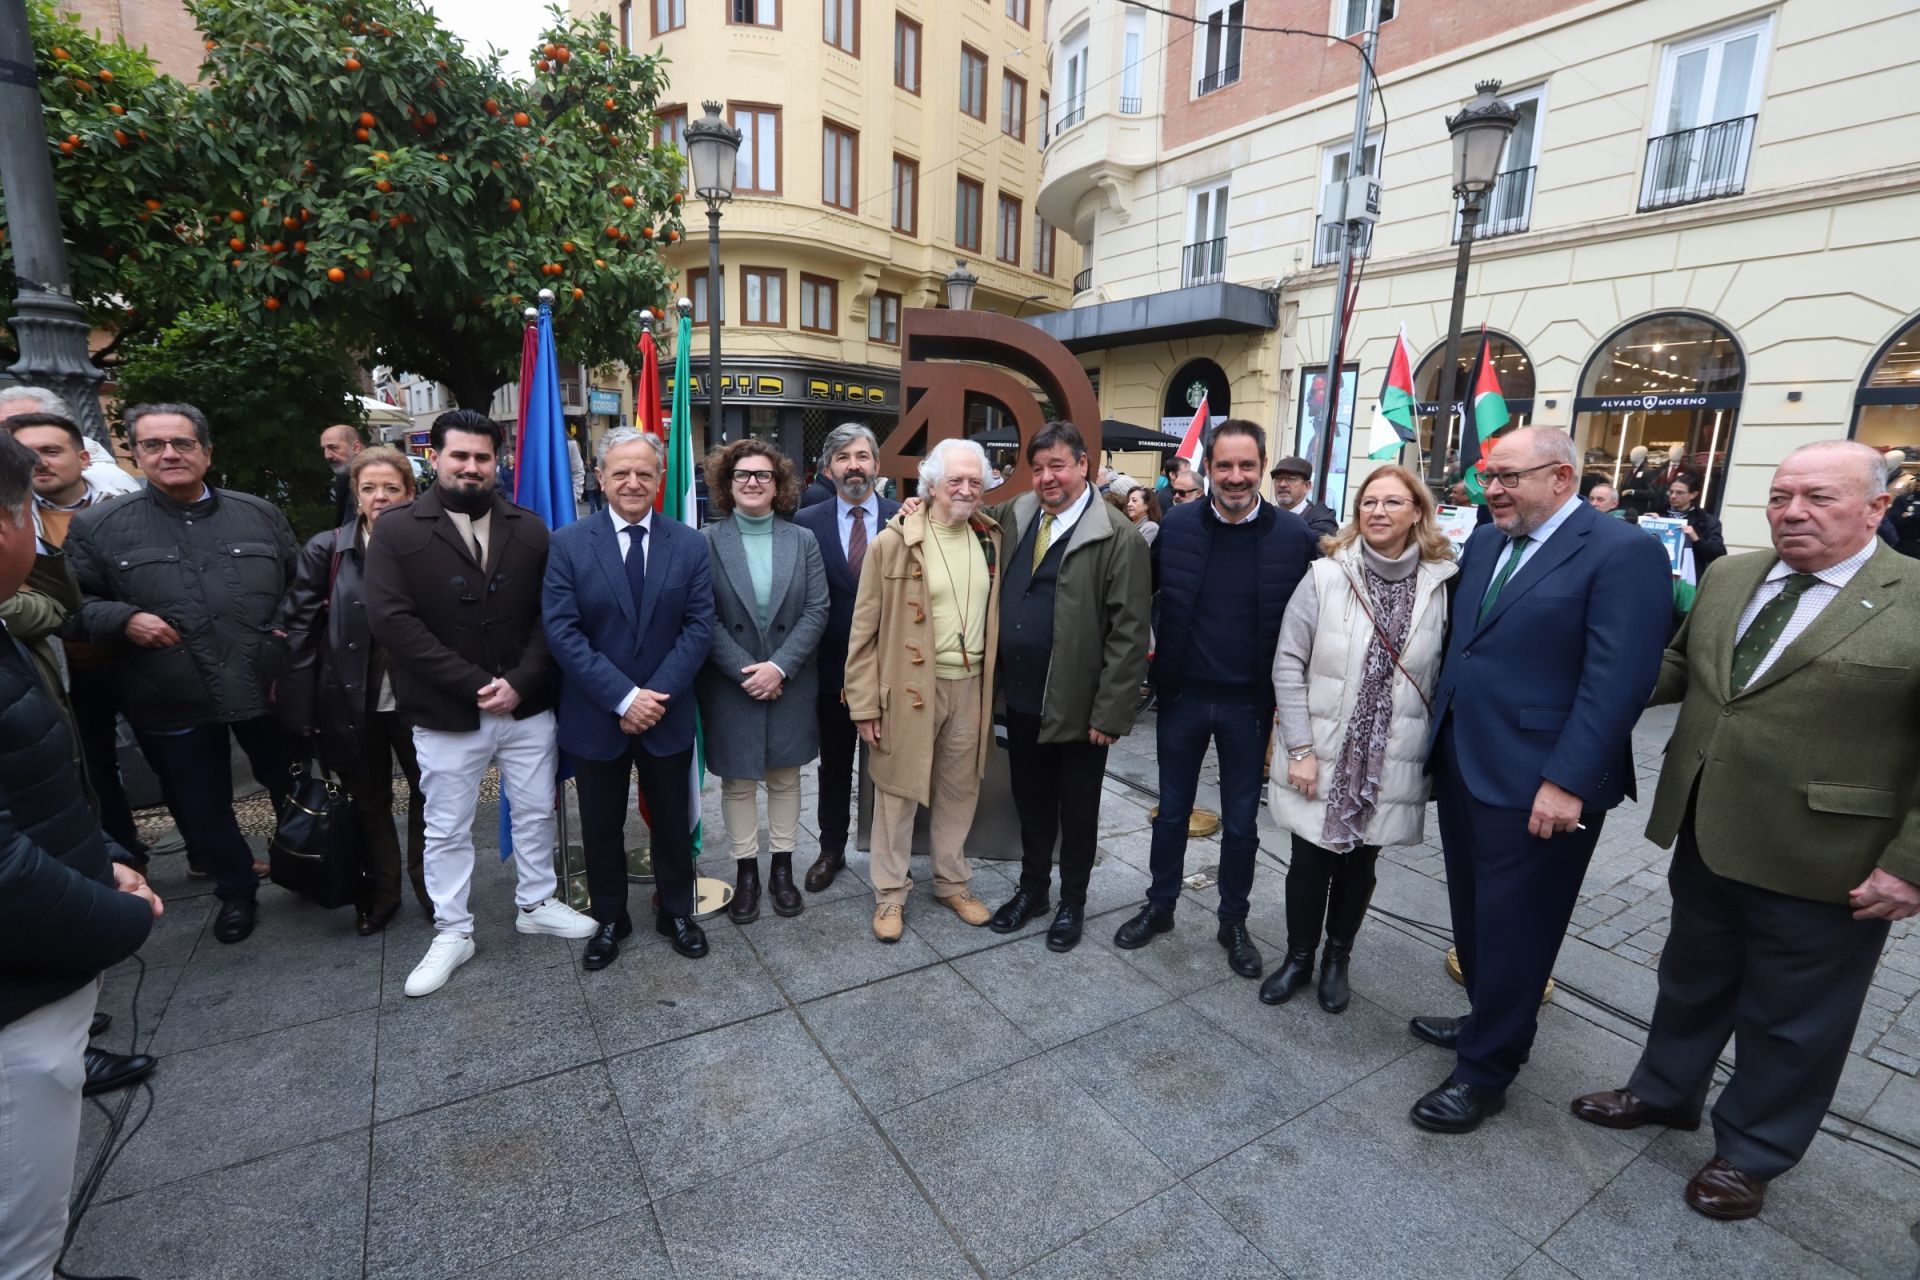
x,y
1392,428
1486,412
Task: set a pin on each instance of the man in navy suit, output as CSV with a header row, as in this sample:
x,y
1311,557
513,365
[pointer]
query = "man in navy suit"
x,y
629,617
845,526
1558,626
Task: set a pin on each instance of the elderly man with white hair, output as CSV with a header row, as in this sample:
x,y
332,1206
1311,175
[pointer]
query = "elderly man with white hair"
x,y
102,472
919,682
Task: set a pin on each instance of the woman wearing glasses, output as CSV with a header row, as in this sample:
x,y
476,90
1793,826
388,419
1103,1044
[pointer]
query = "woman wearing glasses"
x,y
757,690
1353,674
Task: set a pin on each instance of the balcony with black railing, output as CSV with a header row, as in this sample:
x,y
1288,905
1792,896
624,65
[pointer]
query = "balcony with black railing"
x,y
1129,106
1328,235
1083,281
1071,114
1505,210
1218,80
1204,263
1697,164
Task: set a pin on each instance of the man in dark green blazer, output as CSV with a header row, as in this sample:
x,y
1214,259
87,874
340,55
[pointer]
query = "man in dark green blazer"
x,y
1792,786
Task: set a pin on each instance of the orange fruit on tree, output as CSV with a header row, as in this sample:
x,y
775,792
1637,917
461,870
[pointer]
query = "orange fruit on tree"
x,y
608,104
59,54
543,66
66,148
120,136
278,246
566,246
152,203
272,303
550,50
116,109
336,275
672,236
299,246
613,233
289,223
380,157
563,55
514,205
442,156
105,76
579,293
394,221
602,46
366,117
646,233
628,201
310,167
600,262
383,186
362,134
350,65
522,119
364,273
237,262
234,215
491,107
236,244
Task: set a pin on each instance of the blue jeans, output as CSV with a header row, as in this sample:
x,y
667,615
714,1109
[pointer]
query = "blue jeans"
x,y
1240,734
196,773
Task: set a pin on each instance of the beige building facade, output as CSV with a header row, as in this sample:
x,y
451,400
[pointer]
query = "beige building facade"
x,y
1705,240
881,144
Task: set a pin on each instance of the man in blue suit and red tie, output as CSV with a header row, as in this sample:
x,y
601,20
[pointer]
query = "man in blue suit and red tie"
x,y
1559,622
629,617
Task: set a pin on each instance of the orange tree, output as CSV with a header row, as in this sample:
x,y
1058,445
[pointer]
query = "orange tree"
x,y
344,162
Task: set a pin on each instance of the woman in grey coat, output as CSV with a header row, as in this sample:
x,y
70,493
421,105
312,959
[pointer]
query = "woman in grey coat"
x,y
757,690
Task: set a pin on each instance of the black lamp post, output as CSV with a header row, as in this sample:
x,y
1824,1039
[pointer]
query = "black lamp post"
x,y
1480,134
960,285
713,147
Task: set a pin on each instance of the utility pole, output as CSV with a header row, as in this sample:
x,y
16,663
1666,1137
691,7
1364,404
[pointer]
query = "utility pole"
x,y
48,325
1356,166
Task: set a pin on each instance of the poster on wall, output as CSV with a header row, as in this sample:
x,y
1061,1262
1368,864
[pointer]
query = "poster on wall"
x,y
1311,420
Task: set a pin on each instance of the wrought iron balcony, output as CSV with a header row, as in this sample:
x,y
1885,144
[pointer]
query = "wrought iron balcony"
x,y
1129,106
1204,263
1327,237
1505,210
1070,115
1219,79
1083,281
1697,164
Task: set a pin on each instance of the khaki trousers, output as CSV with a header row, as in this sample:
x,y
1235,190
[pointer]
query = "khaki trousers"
x,y
955,791
740,808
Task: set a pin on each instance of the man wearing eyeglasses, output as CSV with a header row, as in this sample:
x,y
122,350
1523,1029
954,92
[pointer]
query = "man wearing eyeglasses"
x,y
181,581
1185,488
1559,622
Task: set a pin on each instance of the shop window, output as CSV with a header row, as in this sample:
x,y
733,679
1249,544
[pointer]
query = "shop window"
x,y
1886,408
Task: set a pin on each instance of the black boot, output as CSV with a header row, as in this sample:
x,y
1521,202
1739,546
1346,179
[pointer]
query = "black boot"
x,y
1352,890
1334,992
745,907
786,898
1308,871
1294,973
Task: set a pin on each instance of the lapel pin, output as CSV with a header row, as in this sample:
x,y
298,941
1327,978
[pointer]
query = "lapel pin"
x,y
1866,604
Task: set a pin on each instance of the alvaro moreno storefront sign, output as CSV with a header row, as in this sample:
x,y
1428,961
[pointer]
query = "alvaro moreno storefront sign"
x,y
849,386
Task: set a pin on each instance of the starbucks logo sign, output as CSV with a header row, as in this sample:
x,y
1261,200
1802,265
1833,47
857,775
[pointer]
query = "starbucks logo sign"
x,y
1196,392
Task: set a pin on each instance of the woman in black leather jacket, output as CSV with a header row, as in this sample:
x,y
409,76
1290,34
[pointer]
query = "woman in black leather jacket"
x,y
336,691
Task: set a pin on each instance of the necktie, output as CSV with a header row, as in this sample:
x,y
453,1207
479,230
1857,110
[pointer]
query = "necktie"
x,y
636,563
857,540
1519,546
1042,540
1767,627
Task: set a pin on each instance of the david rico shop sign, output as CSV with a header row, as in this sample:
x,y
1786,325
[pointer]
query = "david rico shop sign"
x,y
820,385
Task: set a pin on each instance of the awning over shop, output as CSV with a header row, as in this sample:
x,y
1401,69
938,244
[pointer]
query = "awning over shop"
x,y
1201,311
1114,434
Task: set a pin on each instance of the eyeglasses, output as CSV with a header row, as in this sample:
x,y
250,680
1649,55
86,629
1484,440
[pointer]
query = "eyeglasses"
x,y
1508,479
1391,506
185,446
1184,495
753,477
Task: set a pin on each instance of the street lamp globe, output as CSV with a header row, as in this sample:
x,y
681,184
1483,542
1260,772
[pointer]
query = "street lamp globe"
x,y
960,286
1480,134
712,145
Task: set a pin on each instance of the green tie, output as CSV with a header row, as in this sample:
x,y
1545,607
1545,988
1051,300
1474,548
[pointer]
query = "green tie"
x,y
1519,545
1043,540
1766,628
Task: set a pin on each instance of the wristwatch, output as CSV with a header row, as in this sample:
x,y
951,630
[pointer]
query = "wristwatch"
x,y
1299,753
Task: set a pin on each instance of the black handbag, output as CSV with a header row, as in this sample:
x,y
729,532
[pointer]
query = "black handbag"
x,y
315,851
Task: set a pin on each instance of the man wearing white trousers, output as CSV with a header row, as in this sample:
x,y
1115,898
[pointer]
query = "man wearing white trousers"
x,y
453,597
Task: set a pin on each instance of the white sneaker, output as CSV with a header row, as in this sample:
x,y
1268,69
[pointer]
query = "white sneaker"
x,y
557,918
448,952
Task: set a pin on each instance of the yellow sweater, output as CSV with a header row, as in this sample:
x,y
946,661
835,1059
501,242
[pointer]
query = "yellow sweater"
x,y
957,585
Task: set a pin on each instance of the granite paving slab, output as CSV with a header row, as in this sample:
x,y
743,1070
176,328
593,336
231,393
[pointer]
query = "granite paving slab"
x,y
1174,1236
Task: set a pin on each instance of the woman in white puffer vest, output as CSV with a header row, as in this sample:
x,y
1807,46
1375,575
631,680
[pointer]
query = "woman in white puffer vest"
x,y
1353,676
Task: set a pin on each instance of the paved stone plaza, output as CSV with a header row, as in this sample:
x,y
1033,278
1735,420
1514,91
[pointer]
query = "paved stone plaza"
x,y
807,1103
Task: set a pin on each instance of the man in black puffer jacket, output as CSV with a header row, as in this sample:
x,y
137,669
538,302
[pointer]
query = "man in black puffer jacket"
x,y
182,581
67,911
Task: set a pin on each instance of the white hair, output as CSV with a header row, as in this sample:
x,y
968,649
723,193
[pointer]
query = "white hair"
x,y
933,467
42,400
1874,476
627,435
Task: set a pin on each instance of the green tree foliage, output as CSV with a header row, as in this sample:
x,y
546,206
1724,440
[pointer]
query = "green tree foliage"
x,y
344,162
268,392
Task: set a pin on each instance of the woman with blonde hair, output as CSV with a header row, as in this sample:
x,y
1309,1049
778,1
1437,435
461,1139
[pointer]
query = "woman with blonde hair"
x,y
1353,678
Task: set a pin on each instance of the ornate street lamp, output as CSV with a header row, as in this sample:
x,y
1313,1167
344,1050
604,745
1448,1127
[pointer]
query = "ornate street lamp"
x,y
960,285
713,148
1480,132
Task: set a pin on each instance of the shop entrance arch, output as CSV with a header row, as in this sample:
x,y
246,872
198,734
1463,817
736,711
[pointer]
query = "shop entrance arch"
x,y
1511,364
1192,382
1886,407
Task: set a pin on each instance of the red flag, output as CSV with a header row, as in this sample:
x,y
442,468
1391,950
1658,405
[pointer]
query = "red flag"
x,y
529,355
646,399
1190,443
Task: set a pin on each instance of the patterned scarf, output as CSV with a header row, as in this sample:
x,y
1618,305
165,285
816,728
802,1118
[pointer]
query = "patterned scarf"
x,y
1355,791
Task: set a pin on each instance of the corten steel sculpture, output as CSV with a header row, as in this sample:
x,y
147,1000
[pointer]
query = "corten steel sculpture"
x,y
947,356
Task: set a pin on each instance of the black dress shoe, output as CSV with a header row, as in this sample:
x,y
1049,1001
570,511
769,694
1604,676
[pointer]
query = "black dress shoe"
x,y
745,907
1138,932
687,937
1017,910
1456,1107
786,899
602,948
1242,956
1435,1030
109,1071
1064,933
99,1025
1294,973
368,923
825,867
235,919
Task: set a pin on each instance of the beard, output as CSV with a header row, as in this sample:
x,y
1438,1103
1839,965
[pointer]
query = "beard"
x,y
465,497
338,468
853,487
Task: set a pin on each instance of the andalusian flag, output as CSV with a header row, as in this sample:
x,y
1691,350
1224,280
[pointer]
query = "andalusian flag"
x,y
1486,411
1392,428
678,502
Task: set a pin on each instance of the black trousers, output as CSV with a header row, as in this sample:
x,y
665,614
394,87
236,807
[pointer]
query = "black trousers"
x,y
1783,977
1327,890
1511,895
839,742
1056,791
196,772
368,778
96,709
604,787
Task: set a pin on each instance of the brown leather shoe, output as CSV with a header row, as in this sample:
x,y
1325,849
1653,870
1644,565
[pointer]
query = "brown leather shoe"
x,y
1721,1191
889,922
1619,1109
821,874
967,907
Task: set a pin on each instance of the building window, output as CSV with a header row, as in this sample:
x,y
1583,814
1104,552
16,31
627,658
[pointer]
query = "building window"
x,y
906,54
1018,10
841,25
1205,259
1350,16
753,13
763,296
819,312
883,319
757,167
670,127
1886,406
967,200
906,196
1072,79
1335,168
626,24
1704,115
668,15
1508,208
973,82
1013,106
1218,47
1043,245
1006,240
1132,52
697,291
839,166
